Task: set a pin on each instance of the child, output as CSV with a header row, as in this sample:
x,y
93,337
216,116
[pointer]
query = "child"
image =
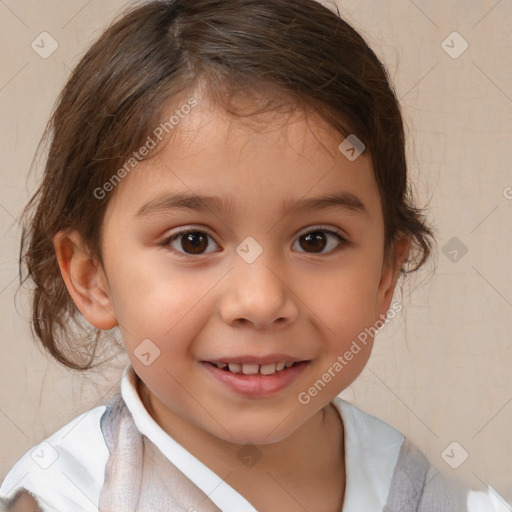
x,y
226,186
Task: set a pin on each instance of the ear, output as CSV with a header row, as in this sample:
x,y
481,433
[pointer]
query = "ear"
x,y
390,270
85,280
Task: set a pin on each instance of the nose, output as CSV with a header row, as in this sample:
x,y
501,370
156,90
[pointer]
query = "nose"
x,y
256,294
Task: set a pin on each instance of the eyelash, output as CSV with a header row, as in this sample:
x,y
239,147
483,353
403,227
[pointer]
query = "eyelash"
x,y
166,243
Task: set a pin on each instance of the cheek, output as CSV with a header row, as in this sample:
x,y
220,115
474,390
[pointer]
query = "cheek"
x,y
160,319
342,300
343,303
151,299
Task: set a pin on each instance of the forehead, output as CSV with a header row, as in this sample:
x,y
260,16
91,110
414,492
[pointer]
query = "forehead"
x,y
259,162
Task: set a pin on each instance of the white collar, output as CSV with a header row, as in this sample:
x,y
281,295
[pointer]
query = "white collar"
x,y
371,452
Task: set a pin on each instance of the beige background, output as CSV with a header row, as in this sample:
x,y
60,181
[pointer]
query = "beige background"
x,y
440,376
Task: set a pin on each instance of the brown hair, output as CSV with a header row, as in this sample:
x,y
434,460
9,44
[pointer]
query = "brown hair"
x,y
300,55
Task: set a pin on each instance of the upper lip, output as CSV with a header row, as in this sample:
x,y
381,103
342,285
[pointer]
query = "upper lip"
x,y
250,359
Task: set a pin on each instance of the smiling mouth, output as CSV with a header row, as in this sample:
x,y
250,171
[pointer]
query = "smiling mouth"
x,y
254,369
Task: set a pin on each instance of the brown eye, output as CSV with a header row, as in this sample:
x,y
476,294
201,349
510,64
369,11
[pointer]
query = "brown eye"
x,y
190,242
319,240
313,242
194,243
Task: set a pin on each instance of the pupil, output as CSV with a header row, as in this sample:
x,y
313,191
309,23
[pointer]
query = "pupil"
x,y
197,243
316,241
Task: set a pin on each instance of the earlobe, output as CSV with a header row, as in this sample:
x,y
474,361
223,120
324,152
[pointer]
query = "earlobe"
x,y
85,280
390,273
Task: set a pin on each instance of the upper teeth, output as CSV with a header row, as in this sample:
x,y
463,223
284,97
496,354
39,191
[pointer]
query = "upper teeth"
x,y
252,369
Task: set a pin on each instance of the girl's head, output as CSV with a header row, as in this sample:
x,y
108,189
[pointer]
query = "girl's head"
x,y
223,119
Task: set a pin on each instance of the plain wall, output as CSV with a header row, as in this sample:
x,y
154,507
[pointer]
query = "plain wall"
x,y
440,371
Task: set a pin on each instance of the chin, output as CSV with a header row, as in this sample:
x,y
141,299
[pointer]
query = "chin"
x,y
257,432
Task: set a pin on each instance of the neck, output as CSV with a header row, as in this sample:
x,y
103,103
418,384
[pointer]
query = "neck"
x,y
314,451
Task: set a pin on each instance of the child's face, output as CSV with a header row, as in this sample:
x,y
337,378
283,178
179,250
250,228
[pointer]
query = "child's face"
x,y
302,299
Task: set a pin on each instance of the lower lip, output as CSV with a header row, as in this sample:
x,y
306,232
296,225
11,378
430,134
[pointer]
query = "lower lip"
x,y
257,385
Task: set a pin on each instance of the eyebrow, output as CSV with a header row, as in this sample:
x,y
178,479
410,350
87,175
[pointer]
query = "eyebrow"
x,y
184,201
343,200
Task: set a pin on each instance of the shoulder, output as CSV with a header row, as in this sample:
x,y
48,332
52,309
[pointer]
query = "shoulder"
x,y
385,471
392,474
66,470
